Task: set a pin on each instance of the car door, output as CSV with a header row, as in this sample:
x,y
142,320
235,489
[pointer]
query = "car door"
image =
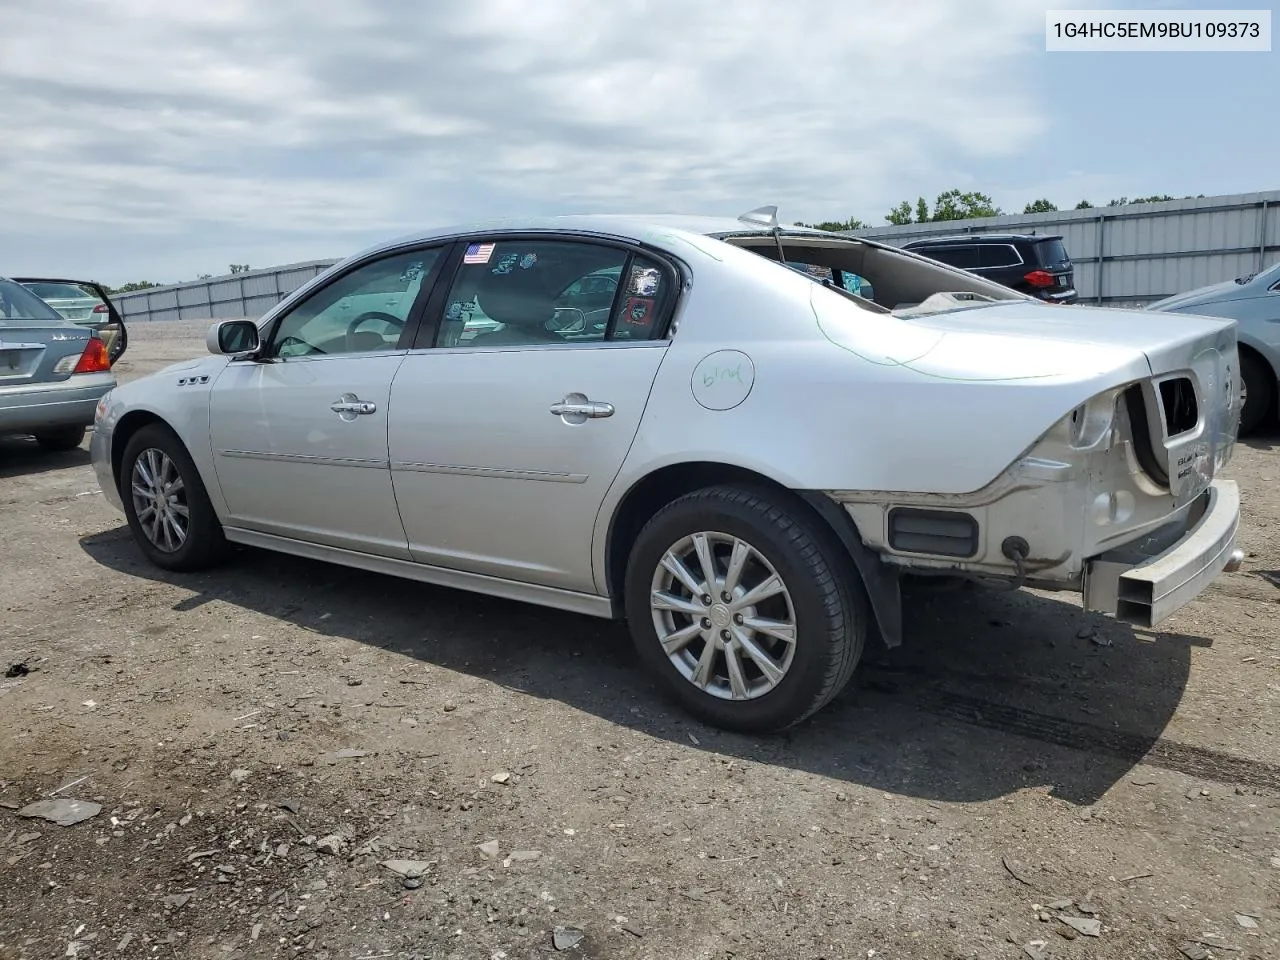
x,y
503,444
299,434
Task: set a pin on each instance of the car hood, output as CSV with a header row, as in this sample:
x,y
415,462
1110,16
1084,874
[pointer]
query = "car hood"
x,y
1201,296
210,365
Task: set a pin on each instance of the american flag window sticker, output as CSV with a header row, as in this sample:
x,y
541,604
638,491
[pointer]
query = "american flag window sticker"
x,y
478,253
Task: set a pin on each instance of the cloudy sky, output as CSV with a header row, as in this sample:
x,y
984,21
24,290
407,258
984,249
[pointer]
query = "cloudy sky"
x,y
158,139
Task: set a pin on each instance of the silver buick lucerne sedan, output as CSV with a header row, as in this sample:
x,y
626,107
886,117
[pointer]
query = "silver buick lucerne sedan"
x,y
660,419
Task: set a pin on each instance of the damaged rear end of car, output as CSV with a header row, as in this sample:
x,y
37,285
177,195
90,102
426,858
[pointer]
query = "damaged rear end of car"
x,y
1120,499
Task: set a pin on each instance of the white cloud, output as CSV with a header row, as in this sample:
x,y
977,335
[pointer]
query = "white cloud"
x,y
136,130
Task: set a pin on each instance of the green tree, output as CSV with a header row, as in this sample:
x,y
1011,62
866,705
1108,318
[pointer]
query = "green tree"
x,y
131,286
1084,205
922,210
960,205
899,215
853,223
238,268
1040,206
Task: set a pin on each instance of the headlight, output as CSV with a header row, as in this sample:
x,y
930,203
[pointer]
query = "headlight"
x,y
100,410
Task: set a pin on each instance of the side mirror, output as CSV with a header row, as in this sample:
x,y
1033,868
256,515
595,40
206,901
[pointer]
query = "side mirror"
x,y
233,337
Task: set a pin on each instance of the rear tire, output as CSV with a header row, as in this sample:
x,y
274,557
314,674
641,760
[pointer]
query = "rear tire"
x,y
62,439
1260,393
166,502
755,651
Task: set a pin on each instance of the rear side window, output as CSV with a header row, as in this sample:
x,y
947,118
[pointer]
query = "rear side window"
x,y
961,256
998,255
1052,252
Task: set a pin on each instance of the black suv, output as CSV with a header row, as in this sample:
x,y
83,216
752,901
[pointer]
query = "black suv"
x,y
1034,265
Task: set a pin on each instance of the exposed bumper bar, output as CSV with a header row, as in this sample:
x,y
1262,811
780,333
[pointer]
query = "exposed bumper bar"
x,y
1145,582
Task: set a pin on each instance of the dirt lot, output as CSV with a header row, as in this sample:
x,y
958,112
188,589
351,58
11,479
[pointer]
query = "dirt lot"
x,y
265,738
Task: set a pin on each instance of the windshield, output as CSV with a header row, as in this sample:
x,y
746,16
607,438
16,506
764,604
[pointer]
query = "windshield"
x,y
18,304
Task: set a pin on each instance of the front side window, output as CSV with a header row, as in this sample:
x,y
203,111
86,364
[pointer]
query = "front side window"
x,y
364,310
535,292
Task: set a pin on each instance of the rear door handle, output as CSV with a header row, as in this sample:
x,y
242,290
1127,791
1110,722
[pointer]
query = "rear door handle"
x,y
576,408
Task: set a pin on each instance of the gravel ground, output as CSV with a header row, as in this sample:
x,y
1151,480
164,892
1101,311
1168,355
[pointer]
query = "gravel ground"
x,y
294,759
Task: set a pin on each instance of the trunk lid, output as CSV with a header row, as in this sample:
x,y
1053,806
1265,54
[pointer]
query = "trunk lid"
x,y
1185,408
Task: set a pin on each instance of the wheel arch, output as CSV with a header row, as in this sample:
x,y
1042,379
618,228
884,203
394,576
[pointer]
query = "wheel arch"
x,y
658,488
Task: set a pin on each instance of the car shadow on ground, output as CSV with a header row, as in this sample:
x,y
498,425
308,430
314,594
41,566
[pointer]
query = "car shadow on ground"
x,y
22,456
1264,438
992,692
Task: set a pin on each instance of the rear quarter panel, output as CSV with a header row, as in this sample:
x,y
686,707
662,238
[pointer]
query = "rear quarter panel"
x,y
866,402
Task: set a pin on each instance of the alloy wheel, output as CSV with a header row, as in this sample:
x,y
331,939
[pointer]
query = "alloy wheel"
x,y
160,500
723,615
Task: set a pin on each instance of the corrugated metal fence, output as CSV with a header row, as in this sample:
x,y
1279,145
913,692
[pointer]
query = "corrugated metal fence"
x,y
1126,255
1138,253
248,294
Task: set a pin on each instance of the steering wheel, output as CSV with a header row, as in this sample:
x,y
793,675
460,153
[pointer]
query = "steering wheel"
x,y
373,315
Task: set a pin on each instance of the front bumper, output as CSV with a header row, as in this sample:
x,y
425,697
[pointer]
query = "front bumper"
x,y
1147,581
47,406
100,456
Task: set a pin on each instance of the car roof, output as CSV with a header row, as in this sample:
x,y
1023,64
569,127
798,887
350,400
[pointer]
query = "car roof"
x,y
636,227
985,238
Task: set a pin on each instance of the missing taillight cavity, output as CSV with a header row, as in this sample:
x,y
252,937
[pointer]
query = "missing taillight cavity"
x,y
1181,412
1143,447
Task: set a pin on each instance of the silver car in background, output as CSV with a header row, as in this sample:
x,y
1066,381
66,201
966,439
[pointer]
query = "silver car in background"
x,y
1253,302
53,372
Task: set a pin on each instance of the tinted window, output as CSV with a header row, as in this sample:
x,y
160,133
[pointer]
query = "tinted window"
x,y
530,292
1052,252
17,304
363,310
956,255
998,255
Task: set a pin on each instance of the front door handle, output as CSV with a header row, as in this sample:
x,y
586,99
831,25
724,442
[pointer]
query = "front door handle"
x,y
349,406
576,408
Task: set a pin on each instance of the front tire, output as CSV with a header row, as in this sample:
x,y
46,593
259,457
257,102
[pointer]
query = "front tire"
x,y
1260,393
166,502
746,607
62,439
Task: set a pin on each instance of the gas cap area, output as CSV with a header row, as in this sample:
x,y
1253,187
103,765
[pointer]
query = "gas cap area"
x,y
723,379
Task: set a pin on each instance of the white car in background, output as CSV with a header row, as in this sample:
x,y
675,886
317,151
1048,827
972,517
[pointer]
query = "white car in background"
x,y
742,460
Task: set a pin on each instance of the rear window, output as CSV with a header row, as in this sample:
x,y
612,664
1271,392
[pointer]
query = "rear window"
x,y
998,255
18,305
1052,251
